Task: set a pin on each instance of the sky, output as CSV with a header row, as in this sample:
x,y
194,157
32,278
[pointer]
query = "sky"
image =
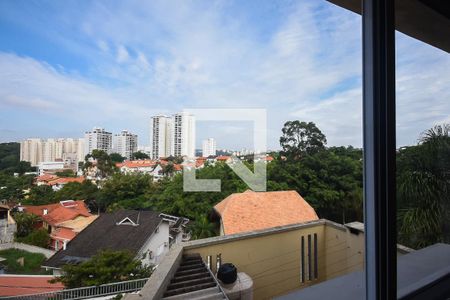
x,y
67,66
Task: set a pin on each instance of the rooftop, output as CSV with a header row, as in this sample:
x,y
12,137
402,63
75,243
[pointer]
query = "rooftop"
x,y
248,211
106,233
15,285
57,213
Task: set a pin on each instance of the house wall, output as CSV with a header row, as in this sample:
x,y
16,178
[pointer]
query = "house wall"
x,y
272,258
158,242
344,252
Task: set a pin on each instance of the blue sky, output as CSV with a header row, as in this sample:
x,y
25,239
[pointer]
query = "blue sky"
x,y
67,66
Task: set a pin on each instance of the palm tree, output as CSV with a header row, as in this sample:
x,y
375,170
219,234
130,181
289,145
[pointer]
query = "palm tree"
x,y
423,189
201,228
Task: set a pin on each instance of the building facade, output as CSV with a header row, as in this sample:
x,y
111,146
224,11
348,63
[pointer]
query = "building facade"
x,y
161,129
183,135
209,147
99,139
125,143
36,150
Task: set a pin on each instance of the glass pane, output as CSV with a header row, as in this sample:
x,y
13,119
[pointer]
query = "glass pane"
x,y
149,125
423,160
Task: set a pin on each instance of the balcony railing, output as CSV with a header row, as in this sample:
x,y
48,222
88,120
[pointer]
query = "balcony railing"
x,y
87,292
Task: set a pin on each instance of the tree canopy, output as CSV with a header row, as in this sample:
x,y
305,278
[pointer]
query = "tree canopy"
x,y
139,155
300,138
104,267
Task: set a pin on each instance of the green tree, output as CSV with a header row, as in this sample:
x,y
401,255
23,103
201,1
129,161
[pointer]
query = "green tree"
x,y
12,188
423,185
66,173
116,158
202,228
105,267
40,195
128,189
38,237
300,138
139,155
25,223
10,159
168,169
103,162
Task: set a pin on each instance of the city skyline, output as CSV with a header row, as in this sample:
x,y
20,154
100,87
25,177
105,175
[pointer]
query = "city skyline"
x,y
298,60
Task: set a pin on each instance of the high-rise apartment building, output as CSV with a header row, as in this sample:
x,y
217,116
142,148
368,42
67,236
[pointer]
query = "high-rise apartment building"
x,y
98,139
161,139
31,151
125,143
37,150
183,135
209,147
173,135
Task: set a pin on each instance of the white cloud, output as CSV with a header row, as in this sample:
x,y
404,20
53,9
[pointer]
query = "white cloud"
x,y
155,57
122,54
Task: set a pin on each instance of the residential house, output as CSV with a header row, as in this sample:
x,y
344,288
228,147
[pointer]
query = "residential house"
x,y
62,220
137,166
55,181
249,211
59,183
45,179
223,158
147,234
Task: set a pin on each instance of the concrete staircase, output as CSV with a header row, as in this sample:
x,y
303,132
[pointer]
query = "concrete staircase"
x,y
194,281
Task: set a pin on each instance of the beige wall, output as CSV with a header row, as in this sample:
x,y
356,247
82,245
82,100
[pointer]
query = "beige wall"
x,y
344,250
272,259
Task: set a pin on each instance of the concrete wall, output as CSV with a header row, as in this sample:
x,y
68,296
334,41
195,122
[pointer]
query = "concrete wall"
x,y
7,232
344,251
29,248
272,257
158,242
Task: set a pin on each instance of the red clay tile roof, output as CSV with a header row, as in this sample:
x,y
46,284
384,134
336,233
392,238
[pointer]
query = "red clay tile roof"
x,y
136,163
12,285
62,233
223,158
59,212
66,180
46,177
249,211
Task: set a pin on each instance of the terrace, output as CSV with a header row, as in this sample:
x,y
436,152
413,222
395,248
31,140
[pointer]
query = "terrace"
x,y
278,260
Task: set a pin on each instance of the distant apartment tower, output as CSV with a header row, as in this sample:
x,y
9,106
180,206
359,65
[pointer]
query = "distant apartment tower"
x,y
37,150
183,135
209,147
98,139
31,151
161,139
125,143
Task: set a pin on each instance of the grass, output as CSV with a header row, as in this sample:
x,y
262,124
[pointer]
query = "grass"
x,y
32,262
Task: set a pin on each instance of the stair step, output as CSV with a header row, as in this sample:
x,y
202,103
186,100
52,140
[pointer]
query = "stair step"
x,y
208,292
188,289
191,262
190,267
187,257
190,277
190,272
189,283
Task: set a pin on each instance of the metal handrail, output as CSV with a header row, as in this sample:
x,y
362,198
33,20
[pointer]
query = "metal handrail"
x,y
86,292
